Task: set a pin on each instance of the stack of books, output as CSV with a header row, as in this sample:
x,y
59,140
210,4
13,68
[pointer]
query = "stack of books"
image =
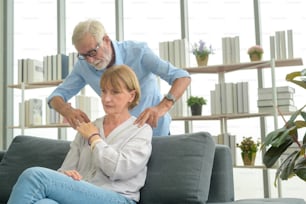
x,y
284,100
230,98
32,110
231,50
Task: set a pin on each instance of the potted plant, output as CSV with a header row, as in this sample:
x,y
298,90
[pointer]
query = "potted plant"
x,y
201,52
248,150
255,52
278,141
195,103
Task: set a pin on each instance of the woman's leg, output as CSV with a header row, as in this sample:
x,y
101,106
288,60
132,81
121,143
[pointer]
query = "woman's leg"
x,y
38,183
46,201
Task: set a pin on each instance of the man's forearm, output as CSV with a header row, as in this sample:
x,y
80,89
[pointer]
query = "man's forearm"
x,y
59,105
179,86
177,90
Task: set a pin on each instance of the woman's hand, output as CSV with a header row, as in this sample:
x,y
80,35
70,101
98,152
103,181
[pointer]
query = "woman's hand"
x,y
73,174
87,129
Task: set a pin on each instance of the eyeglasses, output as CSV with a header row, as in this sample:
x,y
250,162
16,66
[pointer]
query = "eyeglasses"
x,y
90,53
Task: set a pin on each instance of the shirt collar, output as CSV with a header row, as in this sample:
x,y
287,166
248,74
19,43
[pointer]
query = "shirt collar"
x,y
118,56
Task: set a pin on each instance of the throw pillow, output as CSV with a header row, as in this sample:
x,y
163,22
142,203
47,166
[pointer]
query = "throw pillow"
x,y
179,170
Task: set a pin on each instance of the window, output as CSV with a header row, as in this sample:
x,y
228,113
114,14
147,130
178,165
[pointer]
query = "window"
x,y
35,36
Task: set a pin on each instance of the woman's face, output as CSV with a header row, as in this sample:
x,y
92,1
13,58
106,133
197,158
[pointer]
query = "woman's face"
x,y
116,101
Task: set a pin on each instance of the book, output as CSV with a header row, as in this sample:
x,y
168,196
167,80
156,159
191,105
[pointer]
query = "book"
x,y
20,70
239,97
35,71
218,99
62,66
279,89
73,57
272,47
290,44
212,102
282,109
184,53
34,110
280,102
88,105
229,98
280,95
245,94
280,44
177,53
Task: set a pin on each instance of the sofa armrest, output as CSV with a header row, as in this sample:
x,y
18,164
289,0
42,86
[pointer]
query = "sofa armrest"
x,y
2,154
222,181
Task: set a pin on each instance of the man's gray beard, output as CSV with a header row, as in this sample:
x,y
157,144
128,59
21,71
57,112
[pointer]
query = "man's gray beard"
x,y
99,68
108,59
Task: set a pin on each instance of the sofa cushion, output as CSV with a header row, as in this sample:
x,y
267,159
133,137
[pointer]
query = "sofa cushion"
x,y
28,151
222,181
271,201
179,169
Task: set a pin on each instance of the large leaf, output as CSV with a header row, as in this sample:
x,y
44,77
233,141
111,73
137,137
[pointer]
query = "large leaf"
x,y
303,114
284,137
288,165
291,77
295,115
300,124
273,153
273,135
300,168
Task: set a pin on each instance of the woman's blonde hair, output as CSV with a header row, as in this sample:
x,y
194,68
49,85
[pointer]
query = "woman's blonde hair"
x,y
116,75
93,27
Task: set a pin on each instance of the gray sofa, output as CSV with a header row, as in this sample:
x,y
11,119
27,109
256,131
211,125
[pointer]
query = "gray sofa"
x,y
183,169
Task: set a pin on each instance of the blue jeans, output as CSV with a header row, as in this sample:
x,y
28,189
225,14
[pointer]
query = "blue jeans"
x,y
39,185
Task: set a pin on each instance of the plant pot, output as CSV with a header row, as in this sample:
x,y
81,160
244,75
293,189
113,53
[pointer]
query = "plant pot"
x,y
196,109
202,61
248,158
255,56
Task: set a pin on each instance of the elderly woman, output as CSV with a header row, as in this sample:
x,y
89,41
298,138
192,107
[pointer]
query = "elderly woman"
x,y
107,161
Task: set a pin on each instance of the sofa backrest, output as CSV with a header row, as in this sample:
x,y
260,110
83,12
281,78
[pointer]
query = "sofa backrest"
x,y
1,155
184,168
179,169
222,181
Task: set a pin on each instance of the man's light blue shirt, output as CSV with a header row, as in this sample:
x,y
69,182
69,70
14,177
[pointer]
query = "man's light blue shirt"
x,y
147,67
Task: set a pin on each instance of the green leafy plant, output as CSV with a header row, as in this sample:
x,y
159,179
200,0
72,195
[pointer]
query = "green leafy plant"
x,y
278,141
248,145
196,100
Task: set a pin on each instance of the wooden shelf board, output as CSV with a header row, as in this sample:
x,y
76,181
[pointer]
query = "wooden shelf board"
x,y
62,125
225,116
36,85
213,69
252,167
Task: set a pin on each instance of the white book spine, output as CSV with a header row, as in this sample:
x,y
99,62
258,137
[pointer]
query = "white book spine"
x,y
229,101
213,102
278,45
283,45
237,49
245,89
272,47
177,53
218,98
20,77
240,97
290,44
